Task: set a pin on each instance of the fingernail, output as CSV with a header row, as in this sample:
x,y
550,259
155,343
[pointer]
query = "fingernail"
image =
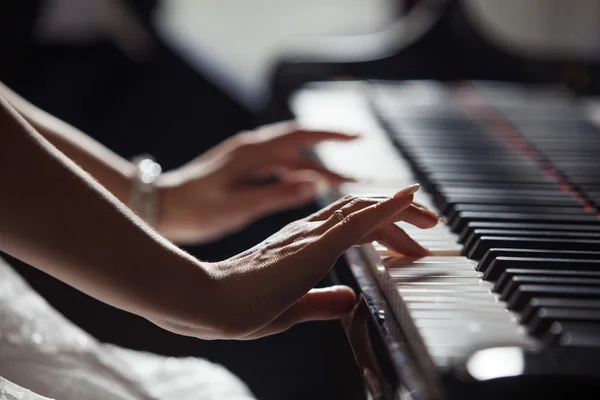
x,y
408,191
439,217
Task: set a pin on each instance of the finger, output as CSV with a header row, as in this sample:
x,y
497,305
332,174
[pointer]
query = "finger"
x,y
361,223
422,218
290,134
395,239
419,217
286,166
310,165
276,196
439,217
326,212
317,305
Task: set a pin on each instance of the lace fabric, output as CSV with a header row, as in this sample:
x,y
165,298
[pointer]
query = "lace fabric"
x,y
42,351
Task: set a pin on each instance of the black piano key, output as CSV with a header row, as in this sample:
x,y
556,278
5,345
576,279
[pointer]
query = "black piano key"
x,y
525,293
465,217
500,264
487,178
538,302
553,192
543,319
507,276
520,209
573,334
471,164
492,254
458,125
485,243
471,226
576,209
478,233
451,202
438,186
517,281
545,187
483,168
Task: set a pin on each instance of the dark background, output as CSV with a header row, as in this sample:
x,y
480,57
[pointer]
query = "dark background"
x,y
164,107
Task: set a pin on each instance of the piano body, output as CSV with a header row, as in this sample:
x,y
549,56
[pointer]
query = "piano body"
x,y
510,307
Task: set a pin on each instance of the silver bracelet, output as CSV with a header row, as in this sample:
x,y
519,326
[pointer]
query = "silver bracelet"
x,y
144,198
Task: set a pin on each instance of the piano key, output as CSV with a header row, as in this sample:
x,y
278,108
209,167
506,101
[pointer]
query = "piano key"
x,y
506,277
465,233
574,334
500,264
536,303
510,208
517,281
465,217
451,305
472,240
543,319
492,254
452,201
443,249
525,293
484,243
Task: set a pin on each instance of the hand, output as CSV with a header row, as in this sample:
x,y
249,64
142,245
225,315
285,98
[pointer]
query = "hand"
x,y
266,289
241,180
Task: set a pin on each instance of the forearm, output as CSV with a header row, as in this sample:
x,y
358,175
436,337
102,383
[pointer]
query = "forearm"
x,y
112,171
55,217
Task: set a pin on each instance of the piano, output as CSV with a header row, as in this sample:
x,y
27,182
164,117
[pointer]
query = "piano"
x,y
510,306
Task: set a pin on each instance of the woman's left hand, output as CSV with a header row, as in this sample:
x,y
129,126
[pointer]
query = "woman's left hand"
x,y
247,177
267,289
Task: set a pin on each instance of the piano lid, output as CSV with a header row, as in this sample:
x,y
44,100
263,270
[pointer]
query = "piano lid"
x,y
547,30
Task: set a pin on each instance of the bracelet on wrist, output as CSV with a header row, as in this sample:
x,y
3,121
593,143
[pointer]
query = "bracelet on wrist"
x,y
144,196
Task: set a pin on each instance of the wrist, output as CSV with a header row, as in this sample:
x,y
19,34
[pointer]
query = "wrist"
x,y
168,188
144,199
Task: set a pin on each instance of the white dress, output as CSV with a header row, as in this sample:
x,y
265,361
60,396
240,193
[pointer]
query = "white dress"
x,y
44,355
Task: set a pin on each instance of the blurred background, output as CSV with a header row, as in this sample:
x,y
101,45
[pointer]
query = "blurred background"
x,y
175,77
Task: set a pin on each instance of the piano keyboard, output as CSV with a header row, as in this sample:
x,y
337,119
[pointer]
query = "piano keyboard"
x,y
516,173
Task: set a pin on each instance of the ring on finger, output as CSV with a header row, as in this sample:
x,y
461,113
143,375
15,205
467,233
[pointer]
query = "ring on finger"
x,y
339,214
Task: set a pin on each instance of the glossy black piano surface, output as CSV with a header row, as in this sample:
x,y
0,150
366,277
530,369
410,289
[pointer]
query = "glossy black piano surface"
x,y
511,308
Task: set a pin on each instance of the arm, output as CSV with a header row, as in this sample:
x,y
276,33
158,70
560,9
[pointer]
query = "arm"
x,y
56,217
189,212
111,170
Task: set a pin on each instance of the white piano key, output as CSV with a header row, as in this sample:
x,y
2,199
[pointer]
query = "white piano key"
x,y
430,260
429,305
433,269
496,314
447,299
462,291
441,281
399,273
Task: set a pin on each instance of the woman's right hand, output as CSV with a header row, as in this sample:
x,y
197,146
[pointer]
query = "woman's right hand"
x,y
267,289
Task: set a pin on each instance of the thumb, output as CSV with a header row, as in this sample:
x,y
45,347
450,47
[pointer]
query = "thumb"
x,y
317,305
322,304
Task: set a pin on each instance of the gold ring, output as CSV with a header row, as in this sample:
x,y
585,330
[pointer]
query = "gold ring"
x,y
339,214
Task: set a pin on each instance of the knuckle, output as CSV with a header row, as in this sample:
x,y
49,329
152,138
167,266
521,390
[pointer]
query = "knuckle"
x,y
347,198
350,221
357,204
243,139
